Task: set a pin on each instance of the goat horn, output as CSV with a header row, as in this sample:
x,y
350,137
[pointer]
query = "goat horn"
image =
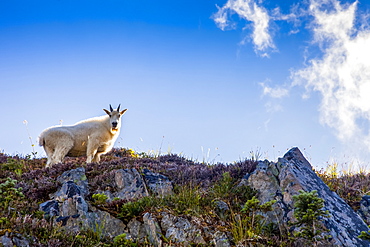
x,y
111,109
118,107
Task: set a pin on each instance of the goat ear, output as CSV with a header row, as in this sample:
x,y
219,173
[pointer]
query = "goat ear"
x,y
106,111
123,111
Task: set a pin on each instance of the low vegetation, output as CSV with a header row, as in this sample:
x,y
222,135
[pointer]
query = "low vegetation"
x,y
210,192
348,185
309,214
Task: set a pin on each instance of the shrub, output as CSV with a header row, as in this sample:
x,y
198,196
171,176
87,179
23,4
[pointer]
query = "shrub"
x,y
14,165
365,235
223,187
250,222
229,190
134,209
9,195
309,213
99,199
187,200
122,241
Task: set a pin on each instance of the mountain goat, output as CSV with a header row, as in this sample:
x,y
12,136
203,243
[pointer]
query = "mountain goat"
x,y
91,137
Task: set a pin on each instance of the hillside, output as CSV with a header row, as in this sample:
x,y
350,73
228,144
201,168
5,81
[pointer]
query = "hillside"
x,y
133,199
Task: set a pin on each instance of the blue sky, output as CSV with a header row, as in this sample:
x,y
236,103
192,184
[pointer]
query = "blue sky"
x,y
212,80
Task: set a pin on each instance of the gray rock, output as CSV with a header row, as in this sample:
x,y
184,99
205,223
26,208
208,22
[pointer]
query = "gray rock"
x,y
220,239
13,239
158,183
98,221
136,229
51,208
282,180
221,207
68,202
130,184
152,230
181,230
74,212
20,241
70,199
74,205
105,223
68,190
78,177
364,210
6,241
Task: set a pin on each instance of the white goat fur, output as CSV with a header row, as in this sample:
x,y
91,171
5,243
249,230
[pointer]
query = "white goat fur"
x,y
91,137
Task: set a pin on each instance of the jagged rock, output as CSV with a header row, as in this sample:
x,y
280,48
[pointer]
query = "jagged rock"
x,y
13,239
74,212
127,184
6,241
104,222
130,184
68,190
221,207
74,205
20,241
280,181
158,183
70,199
136,229
98,221
51,208
152,229
77,215
180,230
264,179
149,229
364,210
220,239
215,236
78,177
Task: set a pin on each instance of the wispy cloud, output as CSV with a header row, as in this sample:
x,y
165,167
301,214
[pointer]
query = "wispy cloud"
x,y
342,74
274,96
251,12
274,92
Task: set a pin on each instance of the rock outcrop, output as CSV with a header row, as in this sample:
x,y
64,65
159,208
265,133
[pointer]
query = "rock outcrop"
x,y
364,210
13,239
274,181
157,183
181,230
72,211
280,181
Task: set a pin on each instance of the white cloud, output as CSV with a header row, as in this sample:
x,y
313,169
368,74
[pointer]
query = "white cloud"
x,y
276,92
272,106
342,74
275,95
252,12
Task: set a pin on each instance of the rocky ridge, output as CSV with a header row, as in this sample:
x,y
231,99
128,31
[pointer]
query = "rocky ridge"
x,y
72,208
292,173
